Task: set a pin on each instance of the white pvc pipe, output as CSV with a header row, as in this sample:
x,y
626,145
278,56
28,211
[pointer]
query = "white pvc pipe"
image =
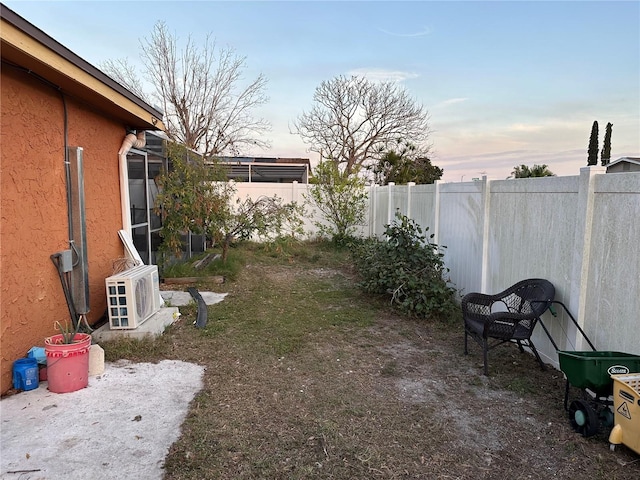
x,y
130,141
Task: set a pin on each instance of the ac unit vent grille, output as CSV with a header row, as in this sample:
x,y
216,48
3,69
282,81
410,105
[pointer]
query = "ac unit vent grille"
x,y
132,296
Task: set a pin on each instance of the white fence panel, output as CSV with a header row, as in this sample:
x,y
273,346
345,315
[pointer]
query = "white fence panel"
x,y
612,297
531,235
380,201
460,230
288,192
299,193
422,207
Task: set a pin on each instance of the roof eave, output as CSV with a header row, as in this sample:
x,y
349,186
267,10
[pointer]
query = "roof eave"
x,y
28,47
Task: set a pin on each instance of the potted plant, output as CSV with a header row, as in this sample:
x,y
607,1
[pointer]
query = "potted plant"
x,y
67,358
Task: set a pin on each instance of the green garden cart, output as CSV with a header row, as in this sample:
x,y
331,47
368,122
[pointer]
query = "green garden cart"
x,y
590,371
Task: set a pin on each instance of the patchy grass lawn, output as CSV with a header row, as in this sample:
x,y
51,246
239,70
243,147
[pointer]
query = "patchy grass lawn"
x,y
308,378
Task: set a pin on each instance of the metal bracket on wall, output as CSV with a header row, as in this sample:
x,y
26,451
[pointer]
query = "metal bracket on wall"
x,y
78,231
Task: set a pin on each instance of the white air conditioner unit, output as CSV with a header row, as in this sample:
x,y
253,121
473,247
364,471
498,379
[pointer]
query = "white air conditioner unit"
x,y
133,296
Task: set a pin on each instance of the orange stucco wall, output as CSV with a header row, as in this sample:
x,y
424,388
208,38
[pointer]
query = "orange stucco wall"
x,y
34,209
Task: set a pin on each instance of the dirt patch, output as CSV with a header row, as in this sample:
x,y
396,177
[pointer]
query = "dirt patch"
x,y
366,394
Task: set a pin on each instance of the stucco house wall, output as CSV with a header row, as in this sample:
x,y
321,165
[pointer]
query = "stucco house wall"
x,y
34,210
33,206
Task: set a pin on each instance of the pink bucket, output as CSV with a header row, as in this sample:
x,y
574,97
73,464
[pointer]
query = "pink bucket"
x,y
67,364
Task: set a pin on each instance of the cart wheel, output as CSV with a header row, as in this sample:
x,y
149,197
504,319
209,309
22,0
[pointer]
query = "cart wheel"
x,y
606,417
583,418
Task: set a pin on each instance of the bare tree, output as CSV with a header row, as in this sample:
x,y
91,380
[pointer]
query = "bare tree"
x,y
125,74
200,90
354,121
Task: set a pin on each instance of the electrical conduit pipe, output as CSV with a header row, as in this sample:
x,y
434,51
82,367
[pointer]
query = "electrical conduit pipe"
x,y
130,141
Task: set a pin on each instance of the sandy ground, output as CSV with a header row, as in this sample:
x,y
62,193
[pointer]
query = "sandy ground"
x,y
121,426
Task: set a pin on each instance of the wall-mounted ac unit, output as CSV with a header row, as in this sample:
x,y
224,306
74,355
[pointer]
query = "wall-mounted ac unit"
x,y
133,296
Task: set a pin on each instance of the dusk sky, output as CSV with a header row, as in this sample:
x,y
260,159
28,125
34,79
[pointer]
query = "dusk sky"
x,y
505,82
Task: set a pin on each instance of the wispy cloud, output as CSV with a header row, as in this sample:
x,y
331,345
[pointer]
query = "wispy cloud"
x,y
382,75
421,33
499,164
523,127
451,101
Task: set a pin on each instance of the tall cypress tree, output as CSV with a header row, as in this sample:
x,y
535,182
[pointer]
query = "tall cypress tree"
x,y
605,155
592,159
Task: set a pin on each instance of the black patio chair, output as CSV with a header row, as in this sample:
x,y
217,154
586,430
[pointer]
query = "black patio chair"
x,y
509,316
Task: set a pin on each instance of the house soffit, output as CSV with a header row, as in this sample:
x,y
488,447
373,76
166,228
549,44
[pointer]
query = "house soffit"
x,y
28,47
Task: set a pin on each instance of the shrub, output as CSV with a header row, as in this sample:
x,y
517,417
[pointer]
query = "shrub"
x,y
341,200
407,267
195,196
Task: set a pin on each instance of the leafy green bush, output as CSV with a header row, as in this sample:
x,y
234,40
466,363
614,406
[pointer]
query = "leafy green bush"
x,y
195,197
408,267
341,201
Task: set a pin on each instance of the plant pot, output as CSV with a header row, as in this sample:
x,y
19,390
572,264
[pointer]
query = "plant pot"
x,y
67,363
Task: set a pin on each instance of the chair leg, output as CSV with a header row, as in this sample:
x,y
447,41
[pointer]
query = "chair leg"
x,y
485,355
466,336
535,352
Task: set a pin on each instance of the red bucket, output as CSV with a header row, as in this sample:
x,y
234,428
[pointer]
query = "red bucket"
x,y
67,363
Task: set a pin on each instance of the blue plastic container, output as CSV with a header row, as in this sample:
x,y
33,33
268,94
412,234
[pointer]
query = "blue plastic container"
x,y
25,374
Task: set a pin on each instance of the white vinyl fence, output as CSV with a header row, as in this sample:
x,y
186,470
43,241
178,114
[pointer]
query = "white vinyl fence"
x,y
582,233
